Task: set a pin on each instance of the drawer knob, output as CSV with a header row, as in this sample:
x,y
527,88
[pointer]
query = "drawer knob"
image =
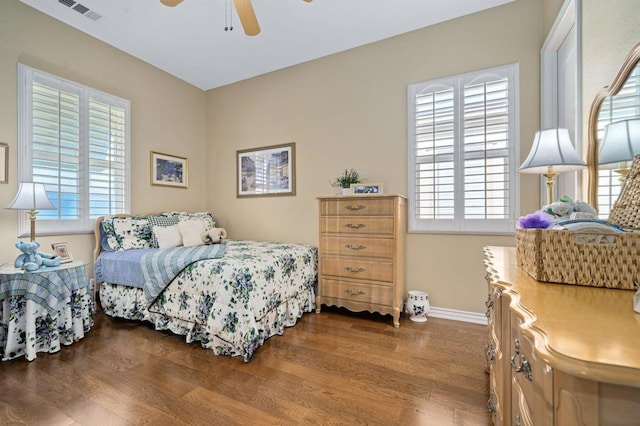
x,y
355,226
354,293
354,270
524,367
355,208
360,247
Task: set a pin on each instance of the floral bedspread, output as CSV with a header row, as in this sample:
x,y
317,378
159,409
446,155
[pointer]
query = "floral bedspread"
x,y
231,304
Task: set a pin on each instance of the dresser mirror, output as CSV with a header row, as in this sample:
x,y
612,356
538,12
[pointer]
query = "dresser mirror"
x,y
617,103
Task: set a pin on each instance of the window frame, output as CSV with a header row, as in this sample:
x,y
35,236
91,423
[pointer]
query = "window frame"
x,y
27,76
460,225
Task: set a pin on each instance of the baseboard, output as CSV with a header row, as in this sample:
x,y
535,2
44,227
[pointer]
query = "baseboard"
x,y
452,314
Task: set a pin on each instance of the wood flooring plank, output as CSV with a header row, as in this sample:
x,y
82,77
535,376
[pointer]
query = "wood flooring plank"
x,y
332,368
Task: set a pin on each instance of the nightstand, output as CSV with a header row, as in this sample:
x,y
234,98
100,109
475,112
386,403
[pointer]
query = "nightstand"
x,y
43,309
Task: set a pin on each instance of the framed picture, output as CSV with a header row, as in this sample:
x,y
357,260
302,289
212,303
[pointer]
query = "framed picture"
x,y
267,171
366,188
61,250
169,170
4,163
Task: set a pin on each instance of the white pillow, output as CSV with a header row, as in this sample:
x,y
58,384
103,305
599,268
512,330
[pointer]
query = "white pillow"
x,y
168,236
191,231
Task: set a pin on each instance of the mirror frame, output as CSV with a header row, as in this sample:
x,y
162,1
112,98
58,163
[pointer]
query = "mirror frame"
x,y
628,65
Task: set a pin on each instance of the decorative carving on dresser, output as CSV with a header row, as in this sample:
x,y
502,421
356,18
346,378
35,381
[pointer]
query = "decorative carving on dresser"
x,y
361,253
559,355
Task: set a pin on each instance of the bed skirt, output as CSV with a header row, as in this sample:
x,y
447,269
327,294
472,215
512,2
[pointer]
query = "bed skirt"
x,y
129,303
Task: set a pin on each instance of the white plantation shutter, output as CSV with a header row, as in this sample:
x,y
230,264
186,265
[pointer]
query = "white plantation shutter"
x,y
75,140
107,159
434,150
623,106
461,152
55,147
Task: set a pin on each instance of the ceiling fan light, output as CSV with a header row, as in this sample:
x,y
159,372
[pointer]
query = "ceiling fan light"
x,y
171,3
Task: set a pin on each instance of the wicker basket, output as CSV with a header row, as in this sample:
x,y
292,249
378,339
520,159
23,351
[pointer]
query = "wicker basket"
x,y
626,210
611,261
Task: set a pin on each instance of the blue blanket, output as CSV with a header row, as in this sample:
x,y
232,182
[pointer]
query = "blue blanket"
x,y
161,266
121,267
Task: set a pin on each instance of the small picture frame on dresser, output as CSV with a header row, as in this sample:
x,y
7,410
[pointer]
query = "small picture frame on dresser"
x,y
366,188
61,250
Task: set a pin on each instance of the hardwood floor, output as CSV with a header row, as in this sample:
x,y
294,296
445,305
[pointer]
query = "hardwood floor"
x,y
332,368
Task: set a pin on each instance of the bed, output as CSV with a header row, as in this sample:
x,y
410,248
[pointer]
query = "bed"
x,y
230,297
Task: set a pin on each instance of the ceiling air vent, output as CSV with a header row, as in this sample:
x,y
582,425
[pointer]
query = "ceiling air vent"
x,y
81,9
92,15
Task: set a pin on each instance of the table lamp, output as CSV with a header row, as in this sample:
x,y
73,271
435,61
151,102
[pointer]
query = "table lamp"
x,y
31,196
551,154
620,143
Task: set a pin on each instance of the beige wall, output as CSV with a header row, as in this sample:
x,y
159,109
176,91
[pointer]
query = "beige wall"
x,y
345,110
610,30
168,115
349,110
551,9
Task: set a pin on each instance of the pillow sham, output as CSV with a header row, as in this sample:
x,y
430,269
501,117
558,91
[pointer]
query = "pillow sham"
x,y
167,236
161,220
132,232
191,231
205,217
110,233
104,239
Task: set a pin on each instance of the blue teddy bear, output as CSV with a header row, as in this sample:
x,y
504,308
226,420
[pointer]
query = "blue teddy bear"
x,y
31,259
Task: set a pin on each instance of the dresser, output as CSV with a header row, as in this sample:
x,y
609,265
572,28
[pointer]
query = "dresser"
x,y
361,253
559,354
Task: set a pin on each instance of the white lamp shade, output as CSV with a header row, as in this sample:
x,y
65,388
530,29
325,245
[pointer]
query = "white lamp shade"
x,y
31,196
621,142
552,147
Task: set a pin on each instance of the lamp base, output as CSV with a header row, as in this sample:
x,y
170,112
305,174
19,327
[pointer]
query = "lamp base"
x,y
551,176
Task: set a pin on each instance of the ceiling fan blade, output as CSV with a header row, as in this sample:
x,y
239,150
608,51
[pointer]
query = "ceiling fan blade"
x,y
171,3
247,17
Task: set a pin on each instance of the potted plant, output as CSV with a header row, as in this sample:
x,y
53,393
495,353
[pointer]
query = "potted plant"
x,y
345,180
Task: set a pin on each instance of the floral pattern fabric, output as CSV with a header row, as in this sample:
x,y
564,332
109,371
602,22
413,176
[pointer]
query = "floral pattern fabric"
x,y
230,305
28,326
136,232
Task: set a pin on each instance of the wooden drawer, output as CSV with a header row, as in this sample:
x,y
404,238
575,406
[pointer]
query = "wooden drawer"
x,y
356,268
531,381
520,406
357,246
357,225
357,292
357,207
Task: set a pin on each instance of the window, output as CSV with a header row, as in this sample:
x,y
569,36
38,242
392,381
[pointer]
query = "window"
x,y
75,140
462,142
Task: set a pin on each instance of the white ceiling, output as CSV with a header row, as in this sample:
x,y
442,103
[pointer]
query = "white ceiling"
x,y
189,40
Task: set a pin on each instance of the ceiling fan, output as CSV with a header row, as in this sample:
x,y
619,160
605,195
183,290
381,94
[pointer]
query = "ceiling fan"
x,y
245,13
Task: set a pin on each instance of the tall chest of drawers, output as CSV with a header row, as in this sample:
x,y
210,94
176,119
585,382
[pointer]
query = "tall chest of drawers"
x,y
361,253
